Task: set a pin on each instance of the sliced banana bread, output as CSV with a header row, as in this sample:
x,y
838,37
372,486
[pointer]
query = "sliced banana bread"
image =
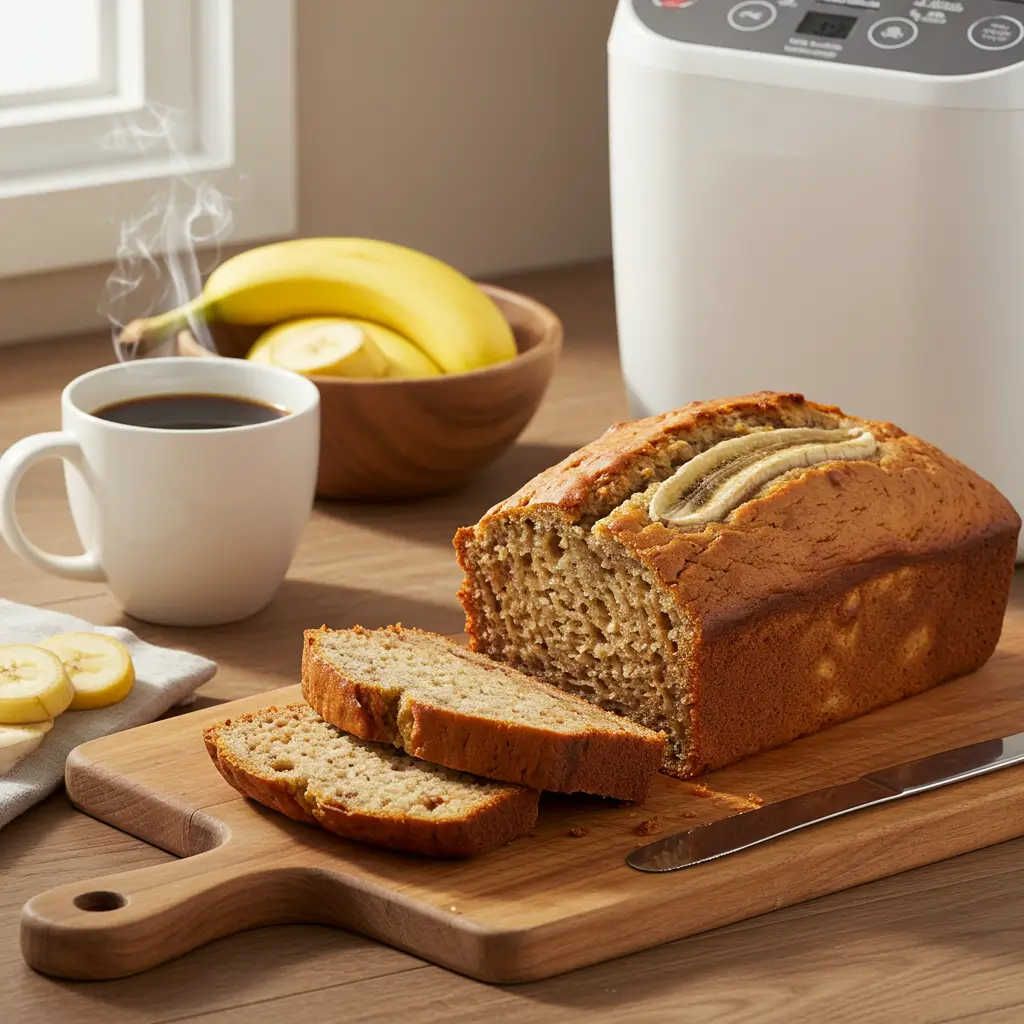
x,y
438,701
292,761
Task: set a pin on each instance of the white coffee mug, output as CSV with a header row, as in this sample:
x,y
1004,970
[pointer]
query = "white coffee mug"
x,y
186,527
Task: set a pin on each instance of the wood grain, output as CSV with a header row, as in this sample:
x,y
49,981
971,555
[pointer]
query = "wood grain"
x,y
941,943
541,905
399,439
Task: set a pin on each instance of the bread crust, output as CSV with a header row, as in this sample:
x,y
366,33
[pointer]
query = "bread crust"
x,y
803,543
838,654
571,485
608,762
493,823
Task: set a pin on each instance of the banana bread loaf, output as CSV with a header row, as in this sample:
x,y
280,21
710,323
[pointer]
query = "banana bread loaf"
x,y
742,572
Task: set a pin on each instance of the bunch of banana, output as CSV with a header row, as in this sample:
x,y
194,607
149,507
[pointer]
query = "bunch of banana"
x,y
347,307
72,671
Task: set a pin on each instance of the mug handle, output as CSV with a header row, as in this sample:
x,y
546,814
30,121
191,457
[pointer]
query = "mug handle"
x,y
14,463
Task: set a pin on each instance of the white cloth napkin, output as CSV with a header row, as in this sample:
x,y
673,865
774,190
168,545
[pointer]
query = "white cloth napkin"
x,y
163,678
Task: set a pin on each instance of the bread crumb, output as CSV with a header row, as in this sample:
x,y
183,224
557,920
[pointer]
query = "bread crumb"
x,y
733,801
578,833
648,827
689,814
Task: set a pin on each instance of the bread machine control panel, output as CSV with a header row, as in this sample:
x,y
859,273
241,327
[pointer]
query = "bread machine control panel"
x,y
929,37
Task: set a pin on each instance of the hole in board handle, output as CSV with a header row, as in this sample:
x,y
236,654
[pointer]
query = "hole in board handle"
x,y
99,901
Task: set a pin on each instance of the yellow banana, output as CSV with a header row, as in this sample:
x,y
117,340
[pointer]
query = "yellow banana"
x,y
438,309
404,358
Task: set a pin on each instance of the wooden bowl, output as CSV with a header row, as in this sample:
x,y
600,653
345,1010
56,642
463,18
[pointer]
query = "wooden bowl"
x,y
391,439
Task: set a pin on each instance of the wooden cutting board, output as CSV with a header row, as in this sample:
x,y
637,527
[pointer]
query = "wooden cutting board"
x,y
558,899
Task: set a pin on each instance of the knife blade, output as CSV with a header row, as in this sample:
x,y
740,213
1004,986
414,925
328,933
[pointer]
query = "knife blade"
x,y
751,828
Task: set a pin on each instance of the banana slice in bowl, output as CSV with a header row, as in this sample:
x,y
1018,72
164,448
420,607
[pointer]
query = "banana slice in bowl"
x,y
379,352
33,685
321,346
99,667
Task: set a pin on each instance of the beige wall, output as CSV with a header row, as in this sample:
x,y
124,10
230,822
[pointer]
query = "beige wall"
x,y
473,129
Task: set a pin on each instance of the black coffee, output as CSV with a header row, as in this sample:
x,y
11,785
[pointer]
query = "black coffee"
x,y
190,412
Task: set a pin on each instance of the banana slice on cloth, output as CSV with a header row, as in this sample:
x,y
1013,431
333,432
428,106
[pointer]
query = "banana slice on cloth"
x,y
99,667
18,741
33,685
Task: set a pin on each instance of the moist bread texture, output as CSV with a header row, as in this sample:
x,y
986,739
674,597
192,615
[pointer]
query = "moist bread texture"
x,y
833,590
291,761
438,701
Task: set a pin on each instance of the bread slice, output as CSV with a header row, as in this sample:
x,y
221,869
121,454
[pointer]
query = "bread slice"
x,y
438,701
292,761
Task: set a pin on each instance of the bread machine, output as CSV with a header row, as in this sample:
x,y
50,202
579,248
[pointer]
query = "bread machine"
x,y
826,198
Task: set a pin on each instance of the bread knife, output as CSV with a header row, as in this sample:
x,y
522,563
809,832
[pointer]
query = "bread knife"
x,y
751,828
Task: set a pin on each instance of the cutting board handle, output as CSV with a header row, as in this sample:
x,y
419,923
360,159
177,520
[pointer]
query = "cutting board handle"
x,y
116,925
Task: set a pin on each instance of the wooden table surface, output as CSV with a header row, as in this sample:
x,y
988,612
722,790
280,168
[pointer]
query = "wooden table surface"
x,y
937,944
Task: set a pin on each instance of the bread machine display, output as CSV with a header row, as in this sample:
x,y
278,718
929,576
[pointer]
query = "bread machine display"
x,y
742,572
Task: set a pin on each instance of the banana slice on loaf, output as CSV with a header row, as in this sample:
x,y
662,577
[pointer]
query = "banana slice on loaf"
x,y
292,761
431,697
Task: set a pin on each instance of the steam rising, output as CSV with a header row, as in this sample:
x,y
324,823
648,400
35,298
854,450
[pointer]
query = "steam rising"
x,y
157,264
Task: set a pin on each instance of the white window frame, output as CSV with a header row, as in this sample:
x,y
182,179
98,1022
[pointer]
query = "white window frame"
x,y
230,61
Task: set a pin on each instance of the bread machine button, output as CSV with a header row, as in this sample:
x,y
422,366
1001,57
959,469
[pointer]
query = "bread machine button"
x,y
996,33
752,15
892,33
674,4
